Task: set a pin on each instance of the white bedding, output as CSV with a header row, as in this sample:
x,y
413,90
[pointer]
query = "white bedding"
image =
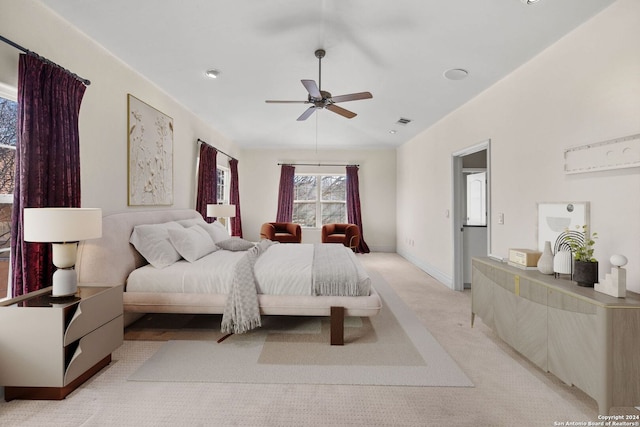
x,y
284,269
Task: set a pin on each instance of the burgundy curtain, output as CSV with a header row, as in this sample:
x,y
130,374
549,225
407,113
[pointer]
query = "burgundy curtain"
x,y
354,214
47,161
207,180
285,195
234,199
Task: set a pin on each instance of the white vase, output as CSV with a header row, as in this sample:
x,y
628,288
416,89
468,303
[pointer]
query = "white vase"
x,y
545,263
562,262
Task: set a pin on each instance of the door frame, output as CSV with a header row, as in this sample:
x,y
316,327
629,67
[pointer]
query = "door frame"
x,y
458,195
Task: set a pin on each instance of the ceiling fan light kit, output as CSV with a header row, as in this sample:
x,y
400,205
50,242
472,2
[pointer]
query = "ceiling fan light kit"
x,y
322,99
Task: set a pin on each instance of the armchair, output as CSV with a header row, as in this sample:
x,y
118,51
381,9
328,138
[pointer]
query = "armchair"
x,y
283,232
347,234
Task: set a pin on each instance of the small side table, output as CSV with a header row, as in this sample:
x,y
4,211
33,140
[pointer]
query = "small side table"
x,y
50,346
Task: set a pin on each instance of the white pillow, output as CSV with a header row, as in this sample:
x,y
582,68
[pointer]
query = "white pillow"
x,y
217,231
192,243
152,241
186,223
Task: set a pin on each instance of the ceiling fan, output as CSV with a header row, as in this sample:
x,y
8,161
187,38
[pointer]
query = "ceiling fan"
x,y
323,99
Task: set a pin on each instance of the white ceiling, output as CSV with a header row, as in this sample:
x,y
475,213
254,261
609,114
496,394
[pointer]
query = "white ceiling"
x,y
397,50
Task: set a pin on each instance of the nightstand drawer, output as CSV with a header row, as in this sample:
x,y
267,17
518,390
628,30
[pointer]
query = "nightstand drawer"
x,y
93,347
93,312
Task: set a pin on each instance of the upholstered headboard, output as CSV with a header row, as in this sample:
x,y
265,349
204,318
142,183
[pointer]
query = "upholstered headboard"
x,y
109,259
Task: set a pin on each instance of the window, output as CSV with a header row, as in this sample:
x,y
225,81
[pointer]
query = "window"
x,y
8,139
223,183
319,200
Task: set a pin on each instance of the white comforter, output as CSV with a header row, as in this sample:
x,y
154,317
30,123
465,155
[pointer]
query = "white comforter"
x,y
284,269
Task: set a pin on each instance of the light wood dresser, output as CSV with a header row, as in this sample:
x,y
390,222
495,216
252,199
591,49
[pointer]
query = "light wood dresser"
x,y
585,338
48,346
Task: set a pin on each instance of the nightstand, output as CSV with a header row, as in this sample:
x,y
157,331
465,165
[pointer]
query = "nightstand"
x,y
49,346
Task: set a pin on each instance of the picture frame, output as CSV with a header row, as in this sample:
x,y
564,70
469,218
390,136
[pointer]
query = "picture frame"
x,y
150,155
556,218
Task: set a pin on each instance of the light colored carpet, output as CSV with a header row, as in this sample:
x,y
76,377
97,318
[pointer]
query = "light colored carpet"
x,y
509,391
392,348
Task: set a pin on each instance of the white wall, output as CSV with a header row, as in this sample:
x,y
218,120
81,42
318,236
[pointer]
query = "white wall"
x,y
260,177
103,114
583,89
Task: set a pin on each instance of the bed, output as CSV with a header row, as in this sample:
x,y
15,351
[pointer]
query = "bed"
x,y
112,260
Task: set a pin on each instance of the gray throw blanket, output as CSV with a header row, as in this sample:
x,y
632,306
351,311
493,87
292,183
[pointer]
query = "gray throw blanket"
x,y
241,312
334,272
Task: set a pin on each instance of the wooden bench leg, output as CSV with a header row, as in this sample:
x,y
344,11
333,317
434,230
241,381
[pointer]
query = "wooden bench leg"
x,y
337,325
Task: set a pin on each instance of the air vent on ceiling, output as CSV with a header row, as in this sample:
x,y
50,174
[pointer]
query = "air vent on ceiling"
x,y
403,121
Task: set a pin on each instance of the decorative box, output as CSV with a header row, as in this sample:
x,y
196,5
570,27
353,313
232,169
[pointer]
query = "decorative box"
x,y
524,257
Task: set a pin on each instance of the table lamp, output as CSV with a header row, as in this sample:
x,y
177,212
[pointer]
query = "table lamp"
x,y
63,228
221,211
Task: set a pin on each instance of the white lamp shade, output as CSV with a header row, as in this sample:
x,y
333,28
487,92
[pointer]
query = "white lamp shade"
x,y
62,224
221,211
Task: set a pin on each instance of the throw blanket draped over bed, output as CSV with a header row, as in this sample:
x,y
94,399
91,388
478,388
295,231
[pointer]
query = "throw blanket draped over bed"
x,y
241,311
333,273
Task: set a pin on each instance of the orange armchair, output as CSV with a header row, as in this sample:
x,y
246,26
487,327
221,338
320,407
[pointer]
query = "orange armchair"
x,y
347,234
283,232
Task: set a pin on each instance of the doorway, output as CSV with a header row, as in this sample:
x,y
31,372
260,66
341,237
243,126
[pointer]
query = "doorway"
x,y
471,183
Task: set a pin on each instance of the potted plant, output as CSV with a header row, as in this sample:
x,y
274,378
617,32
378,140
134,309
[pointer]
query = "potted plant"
x,y
585,266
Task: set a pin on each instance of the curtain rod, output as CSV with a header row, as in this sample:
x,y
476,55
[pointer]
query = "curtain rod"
x,y
313,164
219,151
42,58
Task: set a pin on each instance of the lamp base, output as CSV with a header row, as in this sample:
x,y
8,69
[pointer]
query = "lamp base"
x,y
65,282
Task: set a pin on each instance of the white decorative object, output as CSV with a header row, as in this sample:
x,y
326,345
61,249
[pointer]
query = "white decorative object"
x,y
615,284
562,262
545,262
614,154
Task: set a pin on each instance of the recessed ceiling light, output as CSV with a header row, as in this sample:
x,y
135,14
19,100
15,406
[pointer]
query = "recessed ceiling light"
x,y
456,74
212,73
392,131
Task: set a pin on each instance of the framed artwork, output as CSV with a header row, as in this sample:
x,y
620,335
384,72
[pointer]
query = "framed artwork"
x,y
557,220
150,159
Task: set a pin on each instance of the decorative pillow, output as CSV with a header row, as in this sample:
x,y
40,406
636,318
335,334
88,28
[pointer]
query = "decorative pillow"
x,y
152,241
186,223
192,243
217,231
235,244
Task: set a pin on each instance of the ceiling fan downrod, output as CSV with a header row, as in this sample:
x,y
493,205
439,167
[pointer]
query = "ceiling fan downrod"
x,y
320,54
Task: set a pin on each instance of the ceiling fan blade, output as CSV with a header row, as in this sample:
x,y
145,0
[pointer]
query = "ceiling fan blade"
x,y
269,101
352,97
339,110
312,88
309,111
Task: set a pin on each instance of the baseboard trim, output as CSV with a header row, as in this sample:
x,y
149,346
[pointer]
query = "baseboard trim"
x,y
389,249
429,269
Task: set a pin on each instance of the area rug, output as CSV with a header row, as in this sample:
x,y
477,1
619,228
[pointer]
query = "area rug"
x,y
392,348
